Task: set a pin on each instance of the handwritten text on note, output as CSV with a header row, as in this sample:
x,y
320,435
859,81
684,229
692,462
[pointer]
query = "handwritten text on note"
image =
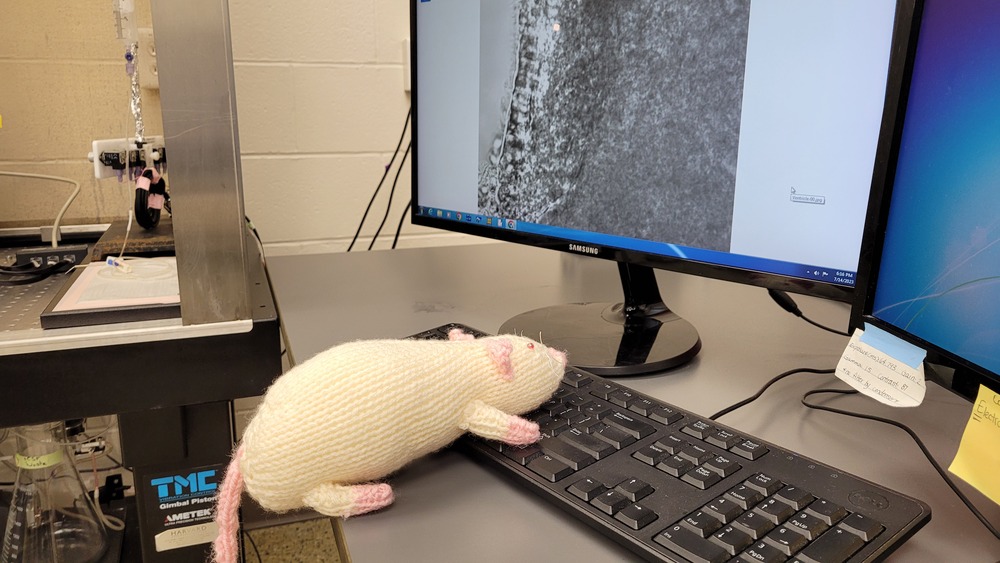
x,y
874,367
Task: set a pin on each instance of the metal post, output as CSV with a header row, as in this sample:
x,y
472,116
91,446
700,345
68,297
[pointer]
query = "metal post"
x,y
198,100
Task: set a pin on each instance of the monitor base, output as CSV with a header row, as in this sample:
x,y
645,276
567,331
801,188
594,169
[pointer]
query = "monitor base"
x,y
599,338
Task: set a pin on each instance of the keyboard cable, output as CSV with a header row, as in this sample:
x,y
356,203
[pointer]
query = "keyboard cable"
x,y
915,438
774,380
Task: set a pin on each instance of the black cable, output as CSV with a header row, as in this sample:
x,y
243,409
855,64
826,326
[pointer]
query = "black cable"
x,y
915,438
10,276
757,395
146,216
786,302
379,186
254,545
392,192
399,227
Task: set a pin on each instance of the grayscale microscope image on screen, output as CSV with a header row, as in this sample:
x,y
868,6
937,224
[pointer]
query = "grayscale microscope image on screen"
x,y
592,110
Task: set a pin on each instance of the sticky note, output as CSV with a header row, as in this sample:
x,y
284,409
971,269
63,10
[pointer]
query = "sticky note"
x,y
978,457
884,368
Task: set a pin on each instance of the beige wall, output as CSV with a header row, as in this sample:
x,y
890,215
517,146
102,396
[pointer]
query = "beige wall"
x,y
63,84
320,102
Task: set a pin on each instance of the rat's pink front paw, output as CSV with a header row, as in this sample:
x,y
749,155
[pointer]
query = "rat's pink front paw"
x,y
521,432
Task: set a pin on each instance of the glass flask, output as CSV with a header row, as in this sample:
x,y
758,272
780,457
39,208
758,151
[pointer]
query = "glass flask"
x,y
51,517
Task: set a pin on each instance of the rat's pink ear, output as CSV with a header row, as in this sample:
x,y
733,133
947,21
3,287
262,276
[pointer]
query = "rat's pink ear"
x,y
500,351
459,334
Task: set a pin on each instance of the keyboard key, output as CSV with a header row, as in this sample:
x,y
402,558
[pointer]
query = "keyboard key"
x,y
636,516
764,484
621,397
650,455
587,489
723,465
723,438
554,427
774,510
701,523
594,409
795,496
665,415
762,552
576,379
602,389
786,540
636,428
550,468
671,444
835,546
690,546
862,526
642,405
634,489
701,477
522,454
615,436
749,449
724,509
744,496
674,465
695,453
699,429
829,512
610,502
567,453
755,525
807,525
590,444
731,539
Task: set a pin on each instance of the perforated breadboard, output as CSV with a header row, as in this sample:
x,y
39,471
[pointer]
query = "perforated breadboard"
x,y
21,305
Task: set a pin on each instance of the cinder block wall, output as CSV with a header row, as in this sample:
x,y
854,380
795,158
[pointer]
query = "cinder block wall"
x,y
320,104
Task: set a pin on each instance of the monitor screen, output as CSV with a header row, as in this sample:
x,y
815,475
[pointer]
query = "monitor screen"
x,y
936,278
732,139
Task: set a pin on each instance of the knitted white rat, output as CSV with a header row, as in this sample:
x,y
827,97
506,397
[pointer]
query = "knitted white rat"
x,y
353,414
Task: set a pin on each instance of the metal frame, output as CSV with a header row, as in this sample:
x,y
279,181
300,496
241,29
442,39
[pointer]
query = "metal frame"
x,y
198,101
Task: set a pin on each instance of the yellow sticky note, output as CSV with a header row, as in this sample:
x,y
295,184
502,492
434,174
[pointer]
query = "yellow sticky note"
x,y
978,457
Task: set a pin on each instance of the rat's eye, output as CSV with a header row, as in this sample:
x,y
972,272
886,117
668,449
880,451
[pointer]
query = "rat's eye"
x,y
531,346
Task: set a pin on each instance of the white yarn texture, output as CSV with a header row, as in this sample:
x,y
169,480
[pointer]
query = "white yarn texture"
x,y
359,411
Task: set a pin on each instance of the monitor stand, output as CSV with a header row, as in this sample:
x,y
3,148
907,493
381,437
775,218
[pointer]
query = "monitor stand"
x,y
637,337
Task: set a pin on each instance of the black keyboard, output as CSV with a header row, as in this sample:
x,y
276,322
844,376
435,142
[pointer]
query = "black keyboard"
x,y
670,485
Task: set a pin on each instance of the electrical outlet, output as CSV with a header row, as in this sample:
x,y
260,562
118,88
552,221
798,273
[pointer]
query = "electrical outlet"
x,y
113,157
48,255
148,76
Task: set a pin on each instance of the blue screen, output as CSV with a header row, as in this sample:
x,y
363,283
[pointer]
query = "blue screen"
x,y
939,277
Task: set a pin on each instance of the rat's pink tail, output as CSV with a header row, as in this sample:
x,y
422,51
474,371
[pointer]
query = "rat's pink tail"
x,y
226,546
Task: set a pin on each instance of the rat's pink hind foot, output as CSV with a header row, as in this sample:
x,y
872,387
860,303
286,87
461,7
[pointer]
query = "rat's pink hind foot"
x,y
371,497
521,432
348,500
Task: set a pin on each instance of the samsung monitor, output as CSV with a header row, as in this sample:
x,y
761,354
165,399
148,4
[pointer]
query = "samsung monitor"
x,y
934,277
732,139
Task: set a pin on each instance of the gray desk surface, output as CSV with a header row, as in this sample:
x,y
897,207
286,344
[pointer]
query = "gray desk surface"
x,y
450,509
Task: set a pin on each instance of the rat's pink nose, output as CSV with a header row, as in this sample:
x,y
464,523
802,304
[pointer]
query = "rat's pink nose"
x,y
558,355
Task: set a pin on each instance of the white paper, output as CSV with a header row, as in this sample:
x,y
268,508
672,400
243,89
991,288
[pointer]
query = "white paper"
x,y
881,376
152,281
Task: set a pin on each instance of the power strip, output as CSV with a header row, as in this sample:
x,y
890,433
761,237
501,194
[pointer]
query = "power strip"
x,y
48,255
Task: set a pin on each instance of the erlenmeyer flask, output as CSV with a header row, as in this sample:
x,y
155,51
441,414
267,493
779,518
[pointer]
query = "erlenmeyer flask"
x,y
51,517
